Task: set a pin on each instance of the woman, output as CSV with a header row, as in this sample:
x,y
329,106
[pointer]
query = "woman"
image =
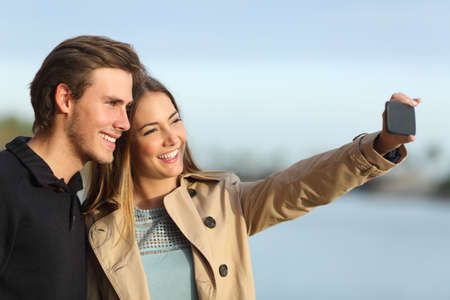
x,y
160,226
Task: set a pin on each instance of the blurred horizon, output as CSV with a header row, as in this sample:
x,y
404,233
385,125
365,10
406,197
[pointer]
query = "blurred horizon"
x,y
250,165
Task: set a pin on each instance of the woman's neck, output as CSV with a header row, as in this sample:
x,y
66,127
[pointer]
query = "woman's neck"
x,y
149,193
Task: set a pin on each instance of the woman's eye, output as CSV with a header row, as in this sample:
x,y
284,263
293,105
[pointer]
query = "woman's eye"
x,y
149,131
176,120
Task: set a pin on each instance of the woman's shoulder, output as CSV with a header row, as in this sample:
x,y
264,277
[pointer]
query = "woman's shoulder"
x,y
108,212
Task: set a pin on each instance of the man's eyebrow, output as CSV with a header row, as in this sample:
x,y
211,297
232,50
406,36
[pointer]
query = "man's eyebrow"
x,y
156,123
112,98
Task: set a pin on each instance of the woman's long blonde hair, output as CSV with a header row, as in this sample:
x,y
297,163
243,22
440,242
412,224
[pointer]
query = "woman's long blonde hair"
x,y
110,185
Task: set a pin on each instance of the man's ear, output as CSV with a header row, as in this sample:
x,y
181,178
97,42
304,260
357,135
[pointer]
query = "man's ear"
x,y
63,97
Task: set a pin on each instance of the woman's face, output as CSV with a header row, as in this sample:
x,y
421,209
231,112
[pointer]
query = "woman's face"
x,y
158,138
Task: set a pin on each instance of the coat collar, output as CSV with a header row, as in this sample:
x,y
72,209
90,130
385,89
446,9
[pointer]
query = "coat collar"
x,y
204,176
116,251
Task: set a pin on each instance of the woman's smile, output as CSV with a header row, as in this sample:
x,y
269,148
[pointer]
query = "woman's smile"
x,y
170,157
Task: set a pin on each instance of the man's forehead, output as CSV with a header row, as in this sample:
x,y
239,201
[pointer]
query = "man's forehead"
x,y
116,84
104,74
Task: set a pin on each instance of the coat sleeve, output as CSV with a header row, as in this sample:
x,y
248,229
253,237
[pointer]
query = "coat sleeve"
x,y
311,182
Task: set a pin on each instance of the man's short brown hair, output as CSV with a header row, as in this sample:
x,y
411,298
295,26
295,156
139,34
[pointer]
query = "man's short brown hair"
x,y
72,62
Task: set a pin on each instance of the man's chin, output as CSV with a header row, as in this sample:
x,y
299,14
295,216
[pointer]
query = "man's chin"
x,y
104,159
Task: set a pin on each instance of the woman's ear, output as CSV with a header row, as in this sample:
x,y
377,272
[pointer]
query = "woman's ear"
x,y
63,98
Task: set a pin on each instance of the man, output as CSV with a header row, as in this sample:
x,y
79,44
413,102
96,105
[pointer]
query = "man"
x,y
79,97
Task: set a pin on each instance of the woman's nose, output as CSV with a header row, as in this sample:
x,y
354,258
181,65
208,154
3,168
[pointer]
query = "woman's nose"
x,y
171,138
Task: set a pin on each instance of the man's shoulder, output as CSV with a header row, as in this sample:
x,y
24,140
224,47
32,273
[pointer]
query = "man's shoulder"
x,y
11,169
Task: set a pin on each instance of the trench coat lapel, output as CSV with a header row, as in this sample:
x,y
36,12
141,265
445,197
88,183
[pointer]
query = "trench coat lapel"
x,y
181,209
119,257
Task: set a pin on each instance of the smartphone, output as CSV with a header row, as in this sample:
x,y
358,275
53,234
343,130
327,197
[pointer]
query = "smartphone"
x,y
400,118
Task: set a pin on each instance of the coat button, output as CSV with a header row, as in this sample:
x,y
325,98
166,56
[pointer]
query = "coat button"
x,y
223,270
210,222
192,192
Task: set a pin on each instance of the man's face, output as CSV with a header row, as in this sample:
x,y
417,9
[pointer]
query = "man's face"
x,y
99,116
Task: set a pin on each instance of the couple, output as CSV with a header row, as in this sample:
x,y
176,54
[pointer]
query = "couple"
x,y
153,223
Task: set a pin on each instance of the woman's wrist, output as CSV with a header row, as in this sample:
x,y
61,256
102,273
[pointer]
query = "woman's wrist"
x,y
382,146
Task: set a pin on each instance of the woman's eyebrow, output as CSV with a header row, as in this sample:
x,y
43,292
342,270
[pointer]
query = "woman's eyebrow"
x,y
173,114
148,124
156,123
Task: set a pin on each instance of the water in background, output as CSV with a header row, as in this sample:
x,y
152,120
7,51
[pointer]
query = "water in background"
x,y
359,247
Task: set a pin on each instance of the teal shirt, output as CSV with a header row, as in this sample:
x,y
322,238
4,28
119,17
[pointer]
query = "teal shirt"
x,y
166,256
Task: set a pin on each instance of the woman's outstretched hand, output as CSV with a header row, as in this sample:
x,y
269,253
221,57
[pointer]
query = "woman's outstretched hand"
x,y
387,142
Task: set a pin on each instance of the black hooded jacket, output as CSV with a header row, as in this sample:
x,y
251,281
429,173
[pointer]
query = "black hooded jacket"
x,y
42,235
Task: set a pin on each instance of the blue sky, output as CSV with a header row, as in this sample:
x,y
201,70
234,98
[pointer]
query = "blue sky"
x,y
273,78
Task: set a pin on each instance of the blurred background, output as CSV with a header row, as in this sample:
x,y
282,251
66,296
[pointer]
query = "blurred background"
x,y
263,84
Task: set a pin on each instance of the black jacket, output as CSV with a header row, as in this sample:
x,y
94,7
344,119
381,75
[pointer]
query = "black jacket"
x,y
42,236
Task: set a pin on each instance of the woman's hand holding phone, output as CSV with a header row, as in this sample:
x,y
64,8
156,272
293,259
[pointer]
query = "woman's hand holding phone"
x,y
398,123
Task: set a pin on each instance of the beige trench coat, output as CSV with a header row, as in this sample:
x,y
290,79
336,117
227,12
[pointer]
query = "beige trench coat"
x,y
217,213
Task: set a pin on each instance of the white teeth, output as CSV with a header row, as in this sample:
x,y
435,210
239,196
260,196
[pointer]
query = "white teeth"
x,y
169,155
108,138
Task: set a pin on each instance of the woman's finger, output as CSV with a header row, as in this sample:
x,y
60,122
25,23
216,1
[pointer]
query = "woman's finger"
x,y
402,98
417,100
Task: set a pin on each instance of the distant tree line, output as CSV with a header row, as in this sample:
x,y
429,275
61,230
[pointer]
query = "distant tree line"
x,y
10,127
443,188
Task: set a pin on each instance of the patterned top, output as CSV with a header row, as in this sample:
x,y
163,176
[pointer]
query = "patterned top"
x,y
166,255
156,232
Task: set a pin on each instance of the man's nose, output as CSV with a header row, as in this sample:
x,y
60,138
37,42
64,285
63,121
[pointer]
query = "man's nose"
x,y
122,123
